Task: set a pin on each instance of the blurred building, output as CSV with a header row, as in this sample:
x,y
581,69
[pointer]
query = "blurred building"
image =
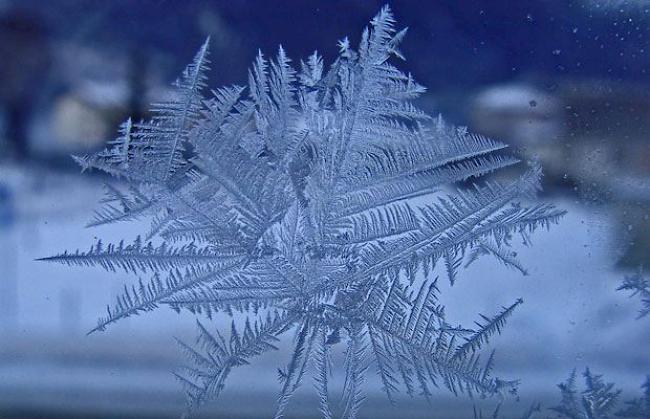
x,y
23,68
593,139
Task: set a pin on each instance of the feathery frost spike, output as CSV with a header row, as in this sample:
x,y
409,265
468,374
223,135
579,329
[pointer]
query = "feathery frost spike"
x,y
322,202
491,326
638,285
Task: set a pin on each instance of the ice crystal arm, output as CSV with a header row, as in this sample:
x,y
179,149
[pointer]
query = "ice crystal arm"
x,y
490,326
213,358
146,296
291,377
136,257
638,285
153,151
455,224
355,371
412,345
569,405
322,372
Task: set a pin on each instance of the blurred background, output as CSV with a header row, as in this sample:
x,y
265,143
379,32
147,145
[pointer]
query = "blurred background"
x,y
564,81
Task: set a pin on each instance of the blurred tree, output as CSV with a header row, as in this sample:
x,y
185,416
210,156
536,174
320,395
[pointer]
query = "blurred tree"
x,y
25,59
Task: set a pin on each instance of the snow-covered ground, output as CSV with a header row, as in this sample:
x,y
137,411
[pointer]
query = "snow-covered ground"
x,y
572,317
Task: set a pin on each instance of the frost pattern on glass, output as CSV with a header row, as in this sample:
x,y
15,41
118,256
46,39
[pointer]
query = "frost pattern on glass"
x,y
317,201
638,286
599,399
638,408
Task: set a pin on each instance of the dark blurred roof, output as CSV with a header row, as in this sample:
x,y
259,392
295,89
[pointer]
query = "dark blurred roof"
x,y
451,42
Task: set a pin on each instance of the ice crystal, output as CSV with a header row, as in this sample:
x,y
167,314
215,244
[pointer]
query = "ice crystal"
x,y
317,201
597,401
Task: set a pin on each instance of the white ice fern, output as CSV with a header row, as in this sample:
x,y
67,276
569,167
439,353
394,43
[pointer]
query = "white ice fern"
x,y
319,202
